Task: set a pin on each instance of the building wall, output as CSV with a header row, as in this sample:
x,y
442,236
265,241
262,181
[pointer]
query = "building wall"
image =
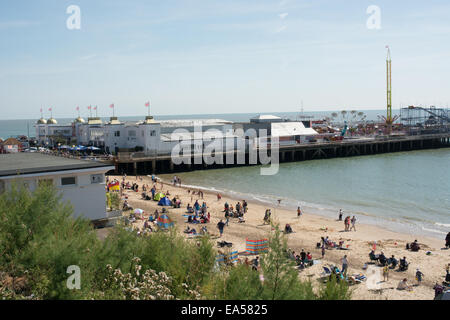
x,y
88,199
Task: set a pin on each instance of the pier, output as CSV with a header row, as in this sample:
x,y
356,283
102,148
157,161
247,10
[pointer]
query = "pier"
x,y
139,163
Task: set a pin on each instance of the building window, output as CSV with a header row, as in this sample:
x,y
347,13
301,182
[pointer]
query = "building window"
x,y
96,178
67,181
116,133
152,133
132,133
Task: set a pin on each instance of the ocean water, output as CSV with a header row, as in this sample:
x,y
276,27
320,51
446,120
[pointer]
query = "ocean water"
x,y
406,192
14,128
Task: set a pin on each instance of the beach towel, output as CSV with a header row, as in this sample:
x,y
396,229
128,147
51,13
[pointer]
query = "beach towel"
x,y
256,246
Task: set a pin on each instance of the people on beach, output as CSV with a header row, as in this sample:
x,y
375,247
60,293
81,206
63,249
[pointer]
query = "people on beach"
x,y
267,216
403,285
344,264
255,263
385,273
347,223
288,228
403,264
447,241
299,212
340,214
353,223
220,226
419,276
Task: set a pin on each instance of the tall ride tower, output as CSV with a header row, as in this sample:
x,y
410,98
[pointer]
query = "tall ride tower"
x,y
389,119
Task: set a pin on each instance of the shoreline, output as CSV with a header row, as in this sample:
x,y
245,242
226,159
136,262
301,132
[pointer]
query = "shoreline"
x,y
394,224
308,229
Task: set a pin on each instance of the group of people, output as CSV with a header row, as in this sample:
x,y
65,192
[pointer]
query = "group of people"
x,y
347,222
176,181
404,285
197,213
390,263
303,260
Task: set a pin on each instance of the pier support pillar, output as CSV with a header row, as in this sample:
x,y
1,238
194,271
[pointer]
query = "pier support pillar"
x,y
292,155
154,166
283,156
135,168
170,165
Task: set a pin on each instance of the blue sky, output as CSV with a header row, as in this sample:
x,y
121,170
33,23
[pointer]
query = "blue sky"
x,y
228,56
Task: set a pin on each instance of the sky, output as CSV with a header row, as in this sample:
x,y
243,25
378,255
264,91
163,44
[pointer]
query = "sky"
x,y
220,56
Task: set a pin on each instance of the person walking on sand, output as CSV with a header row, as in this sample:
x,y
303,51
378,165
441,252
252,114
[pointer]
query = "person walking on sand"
x,y
323,251
353,224
220,226
344,264
447,241
385,273
419,276
340,214
299,212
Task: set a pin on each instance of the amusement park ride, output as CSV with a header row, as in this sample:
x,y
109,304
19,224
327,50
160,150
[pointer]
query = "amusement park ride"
x,y
389,120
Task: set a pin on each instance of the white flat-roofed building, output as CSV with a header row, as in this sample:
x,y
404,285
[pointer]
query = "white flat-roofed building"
x,y
160,137
80,182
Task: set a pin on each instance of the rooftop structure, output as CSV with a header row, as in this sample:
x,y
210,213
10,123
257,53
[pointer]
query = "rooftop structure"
x,y
80,182
32,163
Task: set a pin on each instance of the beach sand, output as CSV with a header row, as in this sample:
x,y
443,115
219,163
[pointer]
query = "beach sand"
x,y
308,230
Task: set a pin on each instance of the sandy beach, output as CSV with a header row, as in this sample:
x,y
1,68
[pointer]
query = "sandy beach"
x,y
308,230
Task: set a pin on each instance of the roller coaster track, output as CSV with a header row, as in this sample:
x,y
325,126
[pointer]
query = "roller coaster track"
x,y
443,117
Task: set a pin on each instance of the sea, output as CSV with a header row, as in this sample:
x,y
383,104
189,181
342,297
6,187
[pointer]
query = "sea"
x,y
406,192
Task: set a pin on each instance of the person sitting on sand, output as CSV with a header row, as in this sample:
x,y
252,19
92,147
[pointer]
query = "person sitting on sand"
x,y
403,285
287,228
255,263
303,255
403,264
241,219
373,256
204,230
438,289
393,262
415,246
382,259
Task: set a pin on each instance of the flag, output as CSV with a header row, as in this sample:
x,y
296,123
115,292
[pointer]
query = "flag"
x,y
41,109
95,108
112,106
78,108
49,109
89,107
147,104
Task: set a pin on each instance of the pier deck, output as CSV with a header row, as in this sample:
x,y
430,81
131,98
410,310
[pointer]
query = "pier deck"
x,y
141,163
